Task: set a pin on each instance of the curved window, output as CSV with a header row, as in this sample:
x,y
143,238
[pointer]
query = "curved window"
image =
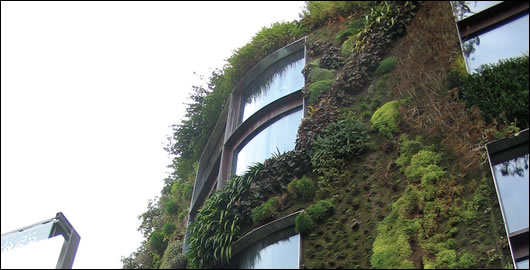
x,y
280,79
512,182
280,250
280,136
505,41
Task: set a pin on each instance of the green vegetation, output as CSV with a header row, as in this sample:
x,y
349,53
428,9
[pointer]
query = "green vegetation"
x,y
304,224
157,242
320,211
497,89
386,66
172,207
265,211
316,89
386,118
318,74
173,257
381,203
302,188
169,228
319,12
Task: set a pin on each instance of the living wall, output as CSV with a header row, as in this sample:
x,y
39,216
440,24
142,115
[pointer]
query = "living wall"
x,y
389,162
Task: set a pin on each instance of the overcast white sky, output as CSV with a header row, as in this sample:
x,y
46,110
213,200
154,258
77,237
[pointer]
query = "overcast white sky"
x,y
88,92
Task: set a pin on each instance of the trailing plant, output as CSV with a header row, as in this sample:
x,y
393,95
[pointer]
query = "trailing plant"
x,y
217,223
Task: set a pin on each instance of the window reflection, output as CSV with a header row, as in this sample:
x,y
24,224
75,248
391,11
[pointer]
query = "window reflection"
x,y
280,79
278,251
279,136
464,9
512,183
522,264
502,42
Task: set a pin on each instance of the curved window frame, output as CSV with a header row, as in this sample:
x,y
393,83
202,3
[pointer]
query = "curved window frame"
x,y
215,163
237,132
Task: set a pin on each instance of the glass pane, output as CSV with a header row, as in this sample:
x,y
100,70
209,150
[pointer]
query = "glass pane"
x,y
471,7
512,181
21,238
506,41
522,264
280,135
31,248
278,251
36,255
280,79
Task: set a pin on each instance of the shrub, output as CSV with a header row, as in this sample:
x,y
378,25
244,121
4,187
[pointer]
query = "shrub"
x,y
319,12
391,251
172,207
320,210
467,261
157,242
346,138
446,259
304,224
318,74
386,118
408,148
265,211
317,88
173,257
497,88
419,164
305,188
169,228
385,66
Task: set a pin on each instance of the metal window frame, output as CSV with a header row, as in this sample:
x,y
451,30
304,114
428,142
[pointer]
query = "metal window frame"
x,y
500,151
488,19
63,228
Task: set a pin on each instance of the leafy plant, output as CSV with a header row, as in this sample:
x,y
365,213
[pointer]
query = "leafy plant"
x,y
497,89
304,224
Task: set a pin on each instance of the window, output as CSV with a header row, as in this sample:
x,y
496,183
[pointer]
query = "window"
x,y
280,250
279,80
509,165
491,31
278,136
